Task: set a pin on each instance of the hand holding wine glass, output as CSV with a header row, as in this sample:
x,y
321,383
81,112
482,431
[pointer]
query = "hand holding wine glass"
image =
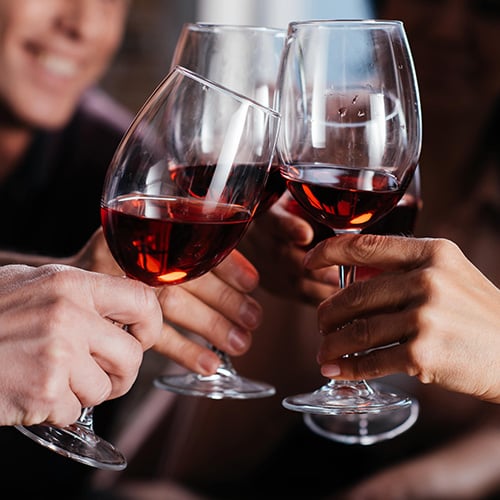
x,y
244,59
349,145
83,354
181,191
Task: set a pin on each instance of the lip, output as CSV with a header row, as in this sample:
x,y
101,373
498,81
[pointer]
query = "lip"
x,y
53,63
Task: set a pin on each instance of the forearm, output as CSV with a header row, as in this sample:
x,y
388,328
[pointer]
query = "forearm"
x,y
7,257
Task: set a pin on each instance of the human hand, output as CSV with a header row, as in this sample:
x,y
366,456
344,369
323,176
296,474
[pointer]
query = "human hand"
x,y
95,256
436,315
216,306
276,244
62,346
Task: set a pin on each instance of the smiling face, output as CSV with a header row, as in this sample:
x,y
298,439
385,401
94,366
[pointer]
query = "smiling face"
x,y
53,50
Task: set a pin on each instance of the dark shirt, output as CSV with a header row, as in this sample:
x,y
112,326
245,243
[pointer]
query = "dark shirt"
x,y
51,201
50,206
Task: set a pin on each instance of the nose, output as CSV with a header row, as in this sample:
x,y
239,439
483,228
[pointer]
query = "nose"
x,y
78,19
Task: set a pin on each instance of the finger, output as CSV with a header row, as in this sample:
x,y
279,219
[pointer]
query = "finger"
x,y
388,292
383,252
213,300
90,383
132,303
374,364
186,352
237,271
286,225
314,291
118,354
367,333
229,330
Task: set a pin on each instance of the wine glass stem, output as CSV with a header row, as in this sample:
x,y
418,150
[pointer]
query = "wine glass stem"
x,y
226,367
86,418
347,275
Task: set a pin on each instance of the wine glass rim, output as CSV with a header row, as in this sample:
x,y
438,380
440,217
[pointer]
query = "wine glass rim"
x,y
221,88
348,23
205,26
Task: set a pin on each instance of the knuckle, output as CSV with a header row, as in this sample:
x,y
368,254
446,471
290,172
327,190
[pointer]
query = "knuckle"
x,y
368,365
362,333
170,297
365,246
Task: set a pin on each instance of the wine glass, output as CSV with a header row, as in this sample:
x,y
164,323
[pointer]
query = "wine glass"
x,y
77,441
371,428
349,145
246,60
243,58
181,190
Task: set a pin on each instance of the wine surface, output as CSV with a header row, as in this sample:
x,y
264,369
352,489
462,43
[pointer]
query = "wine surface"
x,y
169,240
344,199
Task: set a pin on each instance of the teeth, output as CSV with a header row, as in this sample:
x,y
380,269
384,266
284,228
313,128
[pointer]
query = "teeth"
x,y
58,65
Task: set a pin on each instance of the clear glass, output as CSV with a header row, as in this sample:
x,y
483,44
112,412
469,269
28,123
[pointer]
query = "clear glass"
x,y
349,145
78,442
246,60
369,428
180,192
243,58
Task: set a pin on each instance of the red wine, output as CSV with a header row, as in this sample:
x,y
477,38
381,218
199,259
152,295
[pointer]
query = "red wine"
x,y
244,182
274,188
343,198
321,231
169,240
400,220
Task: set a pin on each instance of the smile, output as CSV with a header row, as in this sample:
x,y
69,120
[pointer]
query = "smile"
x,y
59,66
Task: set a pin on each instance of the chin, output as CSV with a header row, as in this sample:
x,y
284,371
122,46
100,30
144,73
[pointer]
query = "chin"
x,y
47,118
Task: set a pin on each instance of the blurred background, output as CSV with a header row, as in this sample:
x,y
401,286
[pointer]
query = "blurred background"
x,y
154,25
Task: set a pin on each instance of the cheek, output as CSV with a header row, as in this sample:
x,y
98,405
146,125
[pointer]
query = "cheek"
x,y
105,50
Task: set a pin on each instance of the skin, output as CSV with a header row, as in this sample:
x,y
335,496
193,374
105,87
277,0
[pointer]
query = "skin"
x,y
276,244
419,312
456,51
48,375
50,52
419,308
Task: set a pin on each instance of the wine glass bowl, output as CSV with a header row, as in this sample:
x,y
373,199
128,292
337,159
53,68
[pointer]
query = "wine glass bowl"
x,y
180,192
246,60
349,145
243,58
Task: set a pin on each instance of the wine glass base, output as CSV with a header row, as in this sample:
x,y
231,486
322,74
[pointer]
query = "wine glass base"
x,y
363,428
78,443
347,397
224,384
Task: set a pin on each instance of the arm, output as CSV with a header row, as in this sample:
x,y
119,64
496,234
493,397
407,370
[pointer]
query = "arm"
x,y
436,315
61,343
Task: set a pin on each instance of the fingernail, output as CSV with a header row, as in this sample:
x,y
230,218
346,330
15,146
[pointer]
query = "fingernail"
x,y
330,370
208,363
238,339
250,314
